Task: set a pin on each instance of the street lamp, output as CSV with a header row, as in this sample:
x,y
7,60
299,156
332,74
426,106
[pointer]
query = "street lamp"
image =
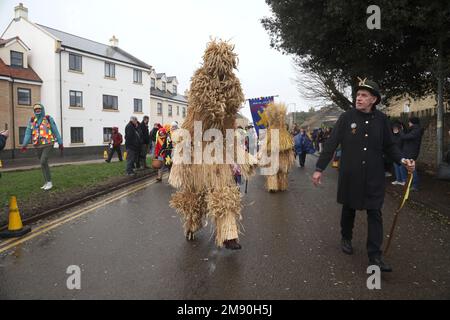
x,y
294,116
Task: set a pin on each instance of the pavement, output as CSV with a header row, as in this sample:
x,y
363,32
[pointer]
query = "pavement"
x,y
130,245
21,164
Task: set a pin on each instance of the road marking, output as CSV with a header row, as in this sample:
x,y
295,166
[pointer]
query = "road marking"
x,y
118,195
74,215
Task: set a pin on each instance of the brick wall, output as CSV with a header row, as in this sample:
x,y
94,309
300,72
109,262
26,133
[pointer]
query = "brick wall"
x,y
22,113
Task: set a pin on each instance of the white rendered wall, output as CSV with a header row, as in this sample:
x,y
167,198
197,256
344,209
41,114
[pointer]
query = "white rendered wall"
x,y
94,85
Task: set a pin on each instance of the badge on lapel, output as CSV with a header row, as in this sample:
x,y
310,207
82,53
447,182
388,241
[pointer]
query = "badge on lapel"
x,y
353,126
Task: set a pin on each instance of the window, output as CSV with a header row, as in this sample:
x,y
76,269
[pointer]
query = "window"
x,y
153,83
16,59
75,62
175,89
22,133
110,102
184,112
170,110
137,105
159,109
110,70
24,97
178,110
76,135
164,86
137,76
76,99
107,133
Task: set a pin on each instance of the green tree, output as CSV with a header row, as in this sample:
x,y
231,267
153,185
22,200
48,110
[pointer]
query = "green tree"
x,y
330,40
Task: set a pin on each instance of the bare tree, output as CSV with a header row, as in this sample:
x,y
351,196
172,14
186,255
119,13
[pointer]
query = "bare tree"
x,y
322,87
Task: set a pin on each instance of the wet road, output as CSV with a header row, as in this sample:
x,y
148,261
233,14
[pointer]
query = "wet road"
x,y
133,247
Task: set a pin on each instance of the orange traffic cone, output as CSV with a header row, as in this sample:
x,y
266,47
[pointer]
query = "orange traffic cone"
x,y
15,227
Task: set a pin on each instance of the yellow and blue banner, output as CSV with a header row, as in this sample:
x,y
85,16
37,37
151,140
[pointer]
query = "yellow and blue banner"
x,y
257,108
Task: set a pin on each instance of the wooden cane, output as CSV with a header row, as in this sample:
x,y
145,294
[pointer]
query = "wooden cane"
x,y
394,223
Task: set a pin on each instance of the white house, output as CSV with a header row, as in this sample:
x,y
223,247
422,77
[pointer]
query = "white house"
x,y
167,105
88,87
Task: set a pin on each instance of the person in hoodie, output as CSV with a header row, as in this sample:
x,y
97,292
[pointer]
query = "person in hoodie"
x,y
116,142
303,146
42,132
411,147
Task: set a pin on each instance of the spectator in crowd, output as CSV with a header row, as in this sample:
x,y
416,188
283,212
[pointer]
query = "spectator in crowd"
x,y
411,147
145,142
132,144
447,155
114,145
397,131
295,130
303,146
153,134
3,137
320,139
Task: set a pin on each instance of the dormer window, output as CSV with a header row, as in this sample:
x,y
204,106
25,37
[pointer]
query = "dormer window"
x,y
175,89
164,86
153,84
16,59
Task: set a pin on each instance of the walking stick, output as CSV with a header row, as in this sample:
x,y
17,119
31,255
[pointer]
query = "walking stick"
x,y
246,185
394,223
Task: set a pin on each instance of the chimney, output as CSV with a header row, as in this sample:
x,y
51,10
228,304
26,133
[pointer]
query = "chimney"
x,y
20,12
114,42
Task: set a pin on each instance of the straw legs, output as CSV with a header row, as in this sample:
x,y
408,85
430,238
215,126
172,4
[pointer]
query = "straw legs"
x,y
277,182
222,206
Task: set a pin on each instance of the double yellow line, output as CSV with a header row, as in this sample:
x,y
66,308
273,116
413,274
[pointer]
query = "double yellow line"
x,y
8,244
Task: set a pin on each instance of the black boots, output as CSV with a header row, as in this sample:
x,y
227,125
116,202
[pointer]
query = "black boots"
x,y
232,244
346,246
190,236
378,261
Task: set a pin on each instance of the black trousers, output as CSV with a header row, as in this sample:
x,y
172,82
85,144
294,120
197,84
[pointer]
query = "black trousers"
x,y
302,159
132,157
375,229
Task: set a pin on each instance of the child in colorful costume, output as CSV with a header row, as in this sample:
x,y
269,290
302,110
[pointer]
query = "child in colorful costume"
x,y
163,150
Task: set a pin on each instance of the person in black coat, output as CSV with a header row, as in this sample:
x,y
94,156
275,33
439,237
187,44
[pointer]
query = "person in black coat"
x,y
145,142
364,134
397,131
3,137
132,144
411,146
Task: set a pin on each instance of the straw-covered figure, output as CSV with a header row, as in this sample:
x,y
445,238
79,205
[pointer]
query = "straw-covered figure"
x,y
206,188
276,116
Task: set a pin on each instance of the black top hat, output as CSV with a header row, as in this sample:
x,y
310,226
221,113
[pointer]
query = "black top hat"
x,y
370,86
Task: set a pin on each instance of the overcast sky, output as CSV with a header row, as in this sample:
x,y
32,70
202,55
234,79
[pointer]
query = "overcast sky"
x,y
172,35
